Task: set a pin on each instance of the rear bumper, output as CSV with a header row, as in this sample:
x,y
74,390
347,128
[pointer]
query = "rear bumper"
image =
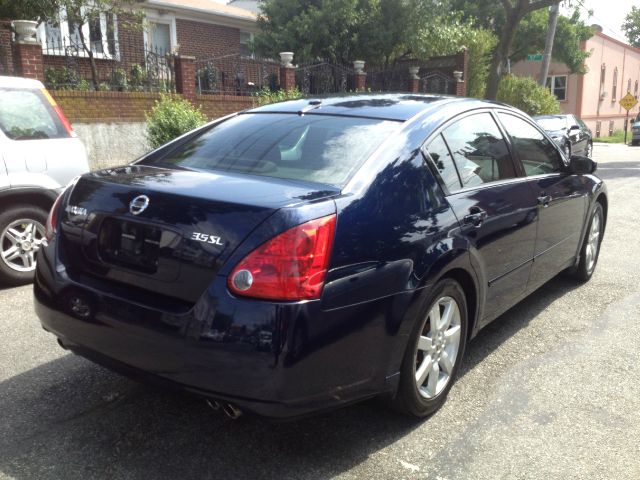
x,y
277,360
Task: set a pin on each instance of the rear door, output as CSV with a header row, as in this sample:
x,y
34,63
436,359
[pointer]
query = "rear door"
x,y
561,198
495,209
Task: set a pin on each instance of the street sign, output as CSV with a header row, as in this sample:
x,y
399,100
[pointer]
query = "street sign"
x,y
537,57
628,102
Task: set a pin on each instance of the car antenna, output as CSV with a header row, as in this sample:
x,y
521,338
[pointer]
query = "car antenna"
x,y
313,104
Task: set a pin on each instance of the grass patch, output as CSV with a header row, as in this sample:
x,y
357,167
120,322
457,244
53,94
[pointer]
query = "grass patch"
x,y
617,137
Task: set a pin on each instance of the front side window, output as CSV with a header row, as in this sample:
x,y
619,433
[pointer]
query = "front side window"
x,y
479,151
315,148
537,154
558,86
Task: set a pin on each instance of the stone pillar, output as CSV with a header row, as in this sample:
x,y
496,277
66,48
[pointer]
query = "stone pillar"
x,y
287,71
360,76
462,65
414,79
185,67
27,58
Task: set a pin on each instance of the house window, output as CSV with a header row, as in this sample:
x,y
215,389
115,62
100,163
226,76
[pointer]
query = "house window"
x,y
558,86
246,44
614,89
100,34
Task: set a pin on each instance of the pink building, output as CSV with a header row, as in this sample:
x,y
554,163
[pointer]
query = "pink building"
x,y
613,69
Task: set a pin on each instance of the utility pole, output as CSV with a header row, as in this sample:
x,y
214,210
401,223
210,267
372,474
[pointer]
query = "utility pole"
x,y
554,11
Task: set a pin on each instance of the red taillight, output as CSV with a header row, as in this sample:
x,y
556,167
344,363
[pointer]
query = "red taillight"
x,y
291,266
65,123
52,220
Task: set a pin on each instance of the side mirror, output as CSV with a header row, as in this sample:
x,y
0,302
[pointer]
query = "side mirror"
x,y
582,165
574,127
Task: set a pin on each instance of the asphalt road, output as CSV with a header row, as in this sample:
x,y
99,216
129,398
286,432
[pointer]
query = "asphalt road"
x,y
550,390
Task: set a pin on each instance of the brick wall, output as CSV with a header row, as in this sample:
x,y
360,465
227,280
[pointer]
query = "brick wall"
x,y
111,107
206,40
215,106
6,57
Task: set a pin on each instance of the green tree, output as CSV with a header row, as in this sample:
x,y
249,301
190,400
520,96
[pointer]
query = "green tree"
x,y
37,10
570,32
631,26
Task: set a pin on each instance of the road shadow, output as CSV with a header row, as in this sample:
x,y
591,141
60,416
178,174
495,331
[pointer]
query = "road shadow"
x,y
71,419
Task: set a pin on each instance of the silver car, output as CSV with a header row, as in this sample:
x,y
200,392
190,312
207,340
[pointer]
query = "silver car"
x,y
39,155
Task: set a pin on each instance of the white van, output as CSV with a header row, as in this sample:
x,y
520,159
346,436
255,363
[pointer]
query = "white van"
x,y
39,154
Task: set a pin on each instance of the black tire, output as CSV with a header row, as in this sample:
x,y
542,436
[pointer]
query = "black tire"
x,y
408,399
585,268
8,274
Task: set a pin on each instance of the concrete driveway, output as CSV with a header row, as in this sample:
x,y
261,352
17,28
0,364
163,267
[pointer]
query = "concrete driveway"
x,y
550,390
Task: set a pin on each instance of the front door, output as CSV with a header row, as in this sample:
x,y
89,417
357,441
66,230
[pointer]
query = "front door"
x,y
496,210
561,205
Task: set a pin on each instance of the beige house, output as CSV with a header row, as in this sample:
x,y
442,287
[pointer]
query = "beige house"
x,y
613,69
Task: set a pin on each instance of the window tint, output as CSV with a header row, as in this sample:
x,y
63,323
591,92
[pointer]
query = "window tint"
x,y
479,151
315,148
442,160
26,115
537,153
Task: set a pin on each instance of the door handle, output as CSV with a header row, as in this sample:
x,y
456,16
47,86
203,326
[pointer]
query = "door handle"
x,y
475,217
544,200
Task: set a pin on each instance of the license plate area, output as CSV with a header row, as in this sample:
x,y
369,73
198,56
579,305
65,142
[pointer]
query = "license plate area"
x,y
131,245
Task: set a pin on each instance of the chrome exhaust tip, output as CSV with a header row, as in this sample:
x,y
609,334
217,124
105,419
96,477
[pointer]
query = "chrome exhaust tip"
x,y
231,411
213,404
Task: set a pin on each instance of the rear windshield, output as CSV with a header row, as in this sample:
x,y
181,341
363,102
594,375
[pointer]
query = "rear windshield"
x,y
26,115
315,148
552,123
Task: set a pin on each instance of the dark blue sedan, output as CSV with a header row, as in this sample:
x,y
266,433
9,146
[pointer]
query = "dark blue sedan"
x,y
308,254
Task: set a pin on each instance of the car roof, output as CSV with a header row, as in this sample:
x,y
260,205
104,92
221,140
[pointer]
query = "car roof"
x,y
20,82
388,106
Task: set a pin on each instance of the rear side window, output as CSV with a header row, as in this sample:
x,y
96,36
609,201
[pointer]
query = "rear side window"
x,y
26,115
443,162
537,154
315,148
479,151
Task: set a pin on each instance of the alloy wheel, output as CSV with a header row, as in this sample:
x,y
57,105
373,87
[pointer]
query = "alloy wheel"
x,y
19,242
438,347
593,242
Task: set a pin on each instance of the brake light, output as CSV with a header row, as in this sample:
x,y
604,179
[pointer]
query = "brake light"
x,y
291,266
52,220
65,123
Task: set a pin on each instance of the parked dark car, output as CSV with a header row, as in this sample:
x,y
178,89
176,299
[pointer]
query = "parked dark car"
x,y
362,240
568,131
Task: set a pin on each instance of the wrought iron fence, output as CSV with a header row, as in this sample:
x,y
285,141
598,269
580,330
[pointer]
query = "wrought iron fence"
x,y
69,65
388,78
235,74
324,77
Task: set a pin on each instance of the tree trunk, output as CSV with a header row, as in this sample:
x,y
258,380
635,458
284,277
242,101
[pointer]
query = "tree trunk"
x,y
501,53
92,61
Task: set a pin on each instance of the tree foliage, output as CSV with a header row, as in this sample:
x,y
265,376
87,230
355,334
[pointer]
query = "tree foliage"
x,y
527,95
631,26
37,10
570,32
